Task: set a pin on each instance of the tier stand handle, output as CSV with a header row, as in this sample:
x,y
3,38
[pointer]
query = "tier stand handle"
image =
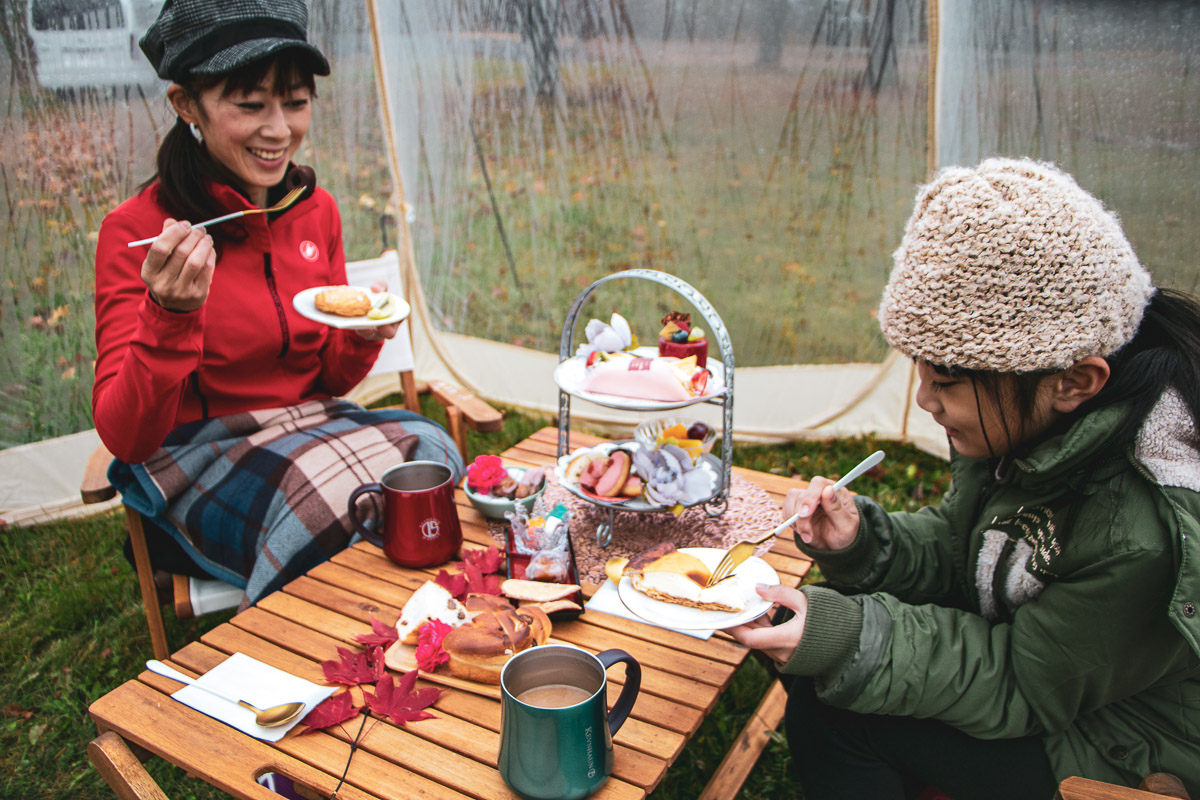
x,y
717,505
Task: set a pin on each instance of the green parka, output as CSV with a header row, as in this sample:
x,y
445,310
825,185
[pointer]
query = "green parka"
x,y
1050,596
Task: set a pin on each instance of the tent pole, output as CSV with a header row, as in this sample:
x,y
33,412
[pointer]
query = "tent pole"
x,y
932,100
412,281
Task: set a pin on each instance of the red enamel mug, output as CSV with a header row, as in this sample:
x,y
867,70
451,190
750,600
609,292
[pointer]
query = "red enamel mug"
x,y
420,525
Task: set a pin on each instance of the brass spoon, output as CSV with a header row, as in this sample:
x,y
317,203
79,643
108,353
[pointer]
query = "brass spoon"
x,y
265,717
283,203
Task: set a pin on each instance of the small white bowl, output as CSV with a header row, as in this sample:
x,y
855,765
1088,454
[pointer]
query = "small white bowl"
x,y
496,507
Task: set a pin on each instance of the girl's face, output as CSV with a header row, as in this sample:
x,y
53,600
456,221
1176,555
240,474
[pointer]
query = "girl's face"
x,y
254,133
974,419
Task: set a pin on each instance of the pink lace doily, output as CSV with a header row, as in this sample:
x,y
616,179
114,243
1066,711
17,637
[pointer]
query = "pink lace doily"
x,y
751,513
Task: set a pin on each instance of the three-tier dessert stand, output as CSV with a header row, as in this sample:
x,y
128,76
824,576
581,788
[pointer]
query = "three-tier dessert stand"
x,y
715,505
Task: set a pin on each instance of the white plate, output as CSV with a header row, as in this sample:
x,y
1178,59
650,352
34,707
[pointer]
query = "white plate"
x,y
569,375
304,303
750,572
708,464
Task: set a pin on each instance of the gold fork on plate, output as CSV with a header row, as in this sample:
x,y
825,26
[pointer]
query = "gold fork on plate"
x,y
283,203
742,550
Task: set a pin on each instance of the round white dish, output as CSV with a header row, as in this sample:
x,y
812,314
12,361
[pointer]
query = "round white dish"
x,y
749,573
708,463
305,305
569,375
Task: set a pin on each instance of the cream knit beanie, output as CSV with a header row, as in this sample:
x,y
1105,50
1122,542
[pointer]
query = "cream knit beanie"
x,y
1011,267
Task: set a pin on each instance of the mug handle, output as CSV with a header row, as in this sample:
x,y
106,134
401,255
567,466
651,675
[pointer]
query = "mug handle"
x,y
633,682
374,537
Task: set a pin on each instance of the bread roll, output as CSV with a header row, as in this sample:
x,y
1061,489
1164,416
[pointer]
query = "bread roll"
x,y
480,649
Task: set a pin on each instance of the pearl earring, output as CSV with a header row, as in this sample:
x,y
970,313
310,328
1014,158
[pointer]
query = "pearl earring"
x,y
196,134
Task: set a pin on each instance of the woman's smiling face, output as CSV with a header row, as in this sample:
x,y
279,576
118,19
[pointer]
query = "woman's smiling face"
x,y
254,133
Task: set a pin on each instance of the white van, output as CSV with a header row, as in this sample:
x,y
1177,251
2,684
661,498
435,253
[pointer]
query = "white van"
x,y
82,43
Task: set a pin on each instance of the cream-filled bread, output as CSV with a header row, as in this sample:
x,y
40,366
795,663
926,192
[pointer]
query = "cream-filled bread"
x,y
429,602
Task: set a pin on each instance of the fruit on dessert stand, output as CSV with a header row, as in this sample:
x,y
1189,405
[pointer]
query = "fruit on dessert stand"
x,y
681,339
694,437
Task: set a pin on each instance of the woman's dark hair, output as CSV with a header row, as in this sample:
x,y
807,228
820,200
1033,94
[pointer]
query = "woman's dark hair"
x,y
1165,352
184,166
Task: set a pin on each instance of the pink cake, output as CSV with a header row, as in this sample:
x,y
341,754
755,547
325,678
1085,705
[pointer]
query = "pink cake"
x,y
667,380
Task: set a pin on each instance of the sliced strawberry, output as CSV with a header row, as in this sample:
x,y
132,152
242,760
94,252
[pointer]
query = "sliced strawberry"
x,y
700,381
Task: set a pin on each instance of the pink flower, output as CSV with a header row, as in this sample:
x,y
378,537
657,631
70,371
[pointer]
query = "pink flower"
x,y
485,473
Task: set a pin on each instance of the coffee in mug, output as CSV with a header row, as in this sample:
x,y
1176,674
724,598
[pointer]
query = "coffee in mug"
x,y
555,727
420,526
554,695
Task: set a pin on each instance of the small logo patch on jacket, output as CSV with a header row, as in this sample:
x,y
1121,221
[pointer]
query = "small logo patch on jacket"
x,y
309,251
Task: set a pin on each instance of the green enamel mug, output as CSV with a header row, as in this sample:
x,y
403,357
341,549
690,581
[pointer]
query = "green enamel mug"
x,y
555,726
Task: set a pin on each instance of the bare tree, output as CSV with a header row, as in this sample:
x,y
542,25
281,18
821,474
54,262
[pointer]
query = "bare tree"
x,y
772,29
539,30
22,57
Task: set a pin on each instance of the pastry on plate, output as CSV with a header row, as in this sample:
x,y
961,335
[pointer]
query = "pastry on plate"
x,y
480,649
664,573
342,301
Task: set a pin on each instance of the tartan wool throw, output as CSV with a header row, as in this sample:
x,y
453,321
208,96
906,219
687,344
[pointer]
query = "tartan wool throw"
x,y
258,498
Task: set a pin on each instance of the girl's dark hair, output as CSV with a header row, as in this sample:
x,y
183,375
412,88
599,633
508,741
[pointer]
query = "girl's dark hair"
x,y
184,166
1165,352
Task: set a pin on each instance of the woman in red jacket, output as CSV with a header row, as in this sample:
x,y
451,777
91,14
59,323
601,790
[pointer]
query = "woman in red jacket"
x,y
198,327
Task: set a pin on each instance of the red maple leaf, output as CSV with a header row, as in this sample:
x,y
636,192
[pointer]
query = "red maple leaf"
x,y
381,634
333,710
429,652
400,701
478,583
455,584
353,668
487,561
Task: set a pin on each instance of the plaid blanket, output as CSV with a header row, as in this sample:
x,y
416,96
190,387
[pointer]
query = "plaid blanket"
x,y
259,498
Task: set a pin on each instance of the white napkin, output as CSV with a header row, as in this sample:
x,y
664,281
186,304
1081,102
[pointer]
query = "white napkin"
x,y
607,600
260,685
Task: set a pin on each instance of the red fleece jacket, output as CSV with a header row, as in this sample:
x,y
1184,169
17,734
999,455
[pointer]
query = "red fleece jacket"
x,y
246,348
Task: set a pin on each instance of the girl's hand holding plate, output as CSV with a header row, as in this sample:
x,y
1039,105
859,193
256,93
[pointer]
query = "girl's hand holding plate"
x,y
777,641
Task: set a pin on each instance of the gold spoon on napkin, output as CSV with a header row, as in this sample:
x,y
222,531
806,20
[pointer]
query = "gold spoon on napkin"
x,y
265,717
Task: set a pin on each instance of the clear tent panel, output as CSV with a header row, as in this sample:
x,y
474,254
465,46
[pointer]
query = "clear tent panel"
x,y
767,152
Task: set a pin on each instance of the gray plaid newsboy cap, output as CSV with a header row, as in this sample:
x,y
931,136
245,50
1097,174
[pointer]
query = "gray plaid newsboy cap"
x,y
207,37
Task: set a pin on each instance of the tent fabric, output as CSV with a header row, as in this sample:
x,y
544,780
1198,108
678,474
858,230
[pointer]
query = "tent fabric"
x,y
763,152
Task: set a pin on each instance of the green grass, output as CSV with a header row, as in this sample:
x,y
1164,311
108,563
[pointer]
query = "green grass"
x,y
72,628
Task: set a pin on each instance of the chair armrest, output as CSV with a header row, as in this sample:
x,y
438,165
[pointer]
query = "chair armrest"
x,y
121,770
95,488
462,406
1153,787
479,416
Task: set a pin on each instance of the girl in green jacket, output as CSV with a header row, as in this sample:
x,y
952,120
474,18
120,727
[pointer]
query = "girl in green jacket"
x,y
1041,622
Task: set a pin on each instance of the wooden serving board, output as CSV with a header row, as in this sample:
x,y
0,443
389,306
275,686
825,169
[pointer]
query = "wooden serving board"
x,y
403,658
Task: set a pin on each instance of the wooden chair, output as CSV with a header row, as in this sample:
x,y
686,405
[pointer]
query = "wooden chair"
x,y
393,370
